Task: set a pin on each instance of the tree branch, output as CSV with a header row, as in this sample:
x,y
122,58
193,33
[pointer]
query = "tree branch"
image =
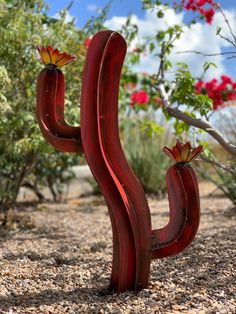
x,y
207,54
227,23
178,114
161,70
217,164
204,125
198,123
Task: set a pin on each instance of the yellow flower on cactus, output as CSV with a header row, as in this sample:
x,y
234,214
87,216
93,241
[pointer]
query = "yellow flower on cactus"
x,y
50,56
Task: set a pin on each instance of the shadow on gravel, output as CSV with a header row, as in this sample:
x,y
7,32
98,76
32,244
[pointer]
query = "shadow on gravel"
x,y
53,259
50,296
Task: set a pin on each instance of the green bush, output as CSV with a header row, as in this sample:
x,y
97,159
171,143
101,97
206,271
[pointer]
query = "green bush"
x,y
227,182
25,157
223,175
143,150
224,179
145,156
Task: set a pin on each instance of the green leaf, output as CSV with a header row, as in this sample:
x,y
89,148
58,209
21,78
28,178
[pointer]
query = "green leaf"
x,y
151,46
160,14
207,65
160,35
180,127
218,30
151,127
167,65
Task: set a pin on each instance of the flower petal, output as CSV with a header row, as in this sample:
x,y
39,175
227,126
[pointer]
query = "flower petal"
x,y
64,59
169,153
179,145
50,49
176,154
44,55
185,151
52,56
197,151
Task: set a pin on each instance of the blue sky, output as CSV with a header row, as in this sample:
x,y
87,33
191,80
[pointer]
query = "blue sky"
x,y
83,9
202,36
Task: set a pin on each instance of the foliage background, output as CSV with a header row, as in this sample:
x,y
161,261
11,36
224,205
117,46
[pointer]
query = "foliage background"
x,y
26,159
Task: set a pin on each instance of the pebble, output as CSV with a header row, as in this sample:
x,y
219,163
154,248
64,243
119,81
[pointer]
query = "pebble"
x,y
56,269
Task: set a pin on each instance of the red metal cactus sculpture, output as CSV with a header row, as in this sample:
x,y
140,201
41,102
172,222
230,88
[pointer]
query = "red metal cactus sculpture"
x,y
134,241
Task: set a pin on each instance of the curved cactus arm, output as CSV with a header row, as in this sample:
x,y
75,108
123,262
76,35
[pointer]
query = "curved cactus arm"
x,y
50,93
184,213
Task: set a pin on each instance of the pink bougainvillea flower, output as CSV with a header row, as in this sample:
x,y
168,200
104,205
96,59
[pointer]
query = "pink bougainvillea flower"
x,y
87,42
209,14
199,85
50,56
226,79
139,98
221,92
205,7
183,153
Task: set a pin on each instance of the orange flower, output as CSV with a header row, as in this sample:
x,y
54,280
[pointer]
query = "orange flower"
x,y
51,56
183,152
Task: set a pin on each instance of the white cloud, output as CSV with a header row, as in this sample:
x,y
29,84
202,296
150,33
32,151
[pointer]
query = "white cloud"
x,y
200,37
91,7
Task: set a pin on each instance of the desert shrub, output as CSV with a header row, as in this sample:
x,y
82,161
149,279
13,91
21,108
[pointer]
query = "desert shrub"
x,y
227,182
220,166
224,179
53,170
144,153
25,157
143,150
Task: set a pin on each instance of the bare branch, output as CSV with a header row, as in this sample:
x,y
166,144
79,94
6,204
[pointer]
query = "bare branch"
x,y
227,39
232,57
207,54
217,164
232,42
161,70
227,23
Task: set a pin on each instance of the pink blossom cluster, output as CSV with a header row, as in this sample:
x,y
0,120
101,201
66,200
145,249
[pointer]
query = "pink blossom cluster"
x,y
200,6
87,42
220,91
139,98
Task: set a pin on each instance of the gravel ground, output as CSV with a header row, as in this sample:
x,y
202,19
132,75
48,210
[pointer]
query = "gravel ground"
x,y
59,261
